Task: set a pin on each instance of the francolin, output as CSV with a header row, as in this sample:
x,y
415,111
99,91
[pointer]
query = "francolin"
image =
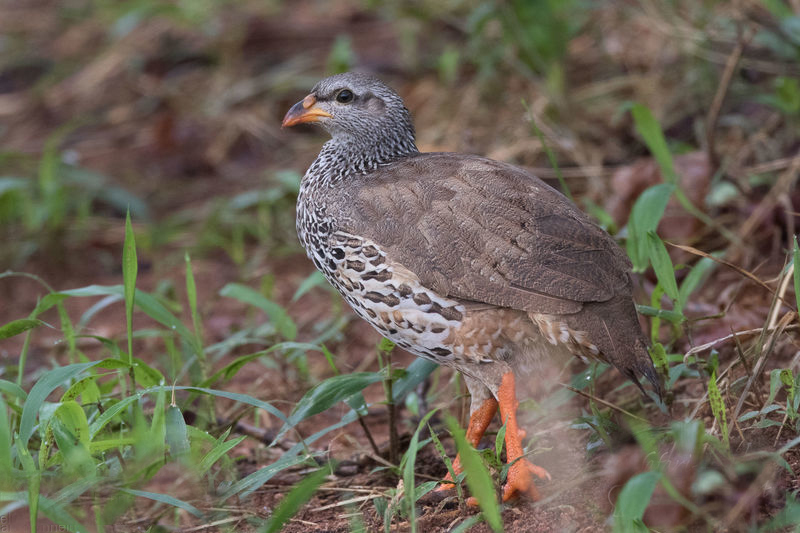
x,y
466,261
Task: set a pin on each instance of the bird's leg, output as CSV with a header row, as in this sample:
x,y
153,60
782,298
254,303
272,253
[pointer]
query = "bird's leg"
x,y
478,422
520,472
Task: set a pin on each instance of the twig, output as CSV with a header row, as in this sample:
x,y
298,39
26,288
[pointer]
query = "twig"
x,y
600,400
740,270
736,335
368,434
787,277
719,98
759,366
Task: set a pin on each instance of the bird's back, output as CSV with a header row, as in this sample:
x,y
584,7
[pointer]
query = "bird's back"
x,y
481,235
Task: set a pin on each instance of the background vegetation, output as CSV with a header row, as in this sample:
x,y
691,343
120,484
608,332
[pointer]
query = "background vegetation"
x,y
170,362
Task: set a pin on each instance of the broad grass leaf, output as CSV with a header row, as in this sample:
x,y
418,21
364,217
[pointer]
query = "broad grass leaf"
x,y
666,314
60,516
650,130
692,280
796,263
407,466
248,484
331,391
217,451
645,216
662,265
315,279
787,518
110,413
48,301
467,524
416,373
477,477
130,268
277,314
245,487
74,420
33,477
41,390
176,435
235,396
191,295
448,463
632,501
659,356
294,500
230,370
77,461
145,302
15,327
146,375
6,463
165,498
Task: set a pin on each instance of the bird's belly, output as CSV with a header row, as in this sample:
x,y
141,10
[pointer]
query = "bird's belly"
x,y
393,300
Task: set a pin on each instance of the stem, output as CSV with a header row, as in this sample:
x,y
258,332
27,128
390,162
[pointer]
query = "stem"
x,y
385,349
394,437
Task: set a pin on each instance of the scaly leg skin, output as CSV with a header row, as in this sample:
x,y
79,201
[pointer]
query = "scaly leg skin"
x,y
478,422
520,473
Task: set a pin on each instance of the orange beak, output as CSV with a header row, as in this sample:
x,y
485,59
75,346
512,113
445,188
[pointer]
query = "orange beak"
x,y
304,111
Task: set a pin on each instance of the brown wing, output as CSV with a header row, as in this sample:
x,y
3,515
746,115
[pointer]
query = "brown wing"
x,y
485,231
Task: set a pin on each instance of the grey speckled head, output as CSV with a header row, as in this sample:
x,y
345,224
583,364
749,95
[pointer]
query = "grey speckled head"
x,y
360,110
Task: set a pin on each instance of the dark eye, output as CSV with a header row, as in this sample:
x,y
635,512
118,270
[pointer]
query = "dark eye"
x,y
345,96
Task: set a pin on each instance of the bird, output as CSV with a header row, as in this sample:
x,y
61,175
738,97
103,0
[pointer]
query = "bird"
x,y
469,262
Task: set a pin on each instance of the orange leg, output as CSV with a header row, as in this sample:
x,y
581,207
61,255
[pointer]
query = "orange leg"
x,y
478,422
521,471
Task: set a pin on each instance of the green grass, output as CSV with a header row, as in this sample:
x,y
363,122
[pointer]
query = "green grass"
x,y
97,418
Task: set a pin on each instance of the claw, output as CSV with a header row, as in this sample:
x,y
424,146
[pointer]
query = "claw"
x,y
521,472
520,480
478,422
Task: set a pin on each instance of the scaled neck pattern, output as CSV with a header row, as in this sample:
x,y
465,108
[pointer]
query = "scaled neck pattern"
x,y
344,156
340,158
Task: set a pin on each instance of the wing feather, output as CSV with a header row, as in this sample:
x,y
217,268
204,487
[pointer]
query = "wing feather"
x,y
484,231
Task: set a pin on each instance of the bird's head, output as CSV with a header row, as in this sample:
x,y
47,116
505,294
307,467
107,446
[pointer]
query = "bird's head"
x,y
354,106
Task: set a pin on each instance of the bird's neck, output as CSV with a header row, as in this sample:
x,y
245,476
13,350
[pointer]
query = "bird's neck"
x,y
344,156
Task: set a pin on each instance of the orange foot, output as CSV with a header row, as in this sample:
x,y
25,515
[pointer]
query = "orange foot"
x,y
521,472
520,480
478,422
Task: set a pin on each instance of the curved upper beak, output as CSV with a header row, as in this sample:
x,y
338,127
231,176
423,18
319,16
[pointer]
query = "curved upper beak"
x,y
304,111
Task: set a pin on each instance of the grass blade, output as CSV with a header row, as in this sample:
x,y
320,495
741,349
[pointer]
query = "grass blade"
x,y
41,390
632,502
165,498
416,373
6,442
294,500
248,484
277,314
477,477
146,303
650,130
662,265
130,267
220,448
796,264
328,393
407,466
15,327
176,435
191,295
645,216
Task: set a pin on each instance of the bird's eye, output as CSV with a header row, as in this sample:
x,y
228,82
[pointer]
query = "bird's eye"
x,y
345,96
